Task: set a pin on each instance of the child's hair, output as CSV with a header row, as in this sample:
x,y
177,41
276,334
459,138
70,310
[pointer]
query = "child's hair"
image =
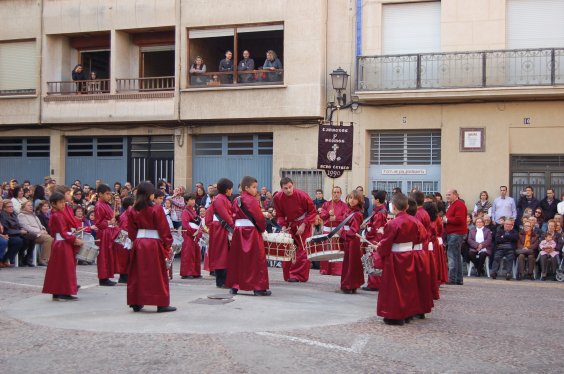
x,y
127,202
56,197
103,188
547,236
189,196
143,197
358,196
379,195
61,189
159,193
223,185
247,181
78,208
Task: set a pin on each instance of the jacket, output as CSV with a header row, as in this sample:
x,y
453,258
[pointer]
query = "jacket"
x,y
534,241
456,218
487,243
30,223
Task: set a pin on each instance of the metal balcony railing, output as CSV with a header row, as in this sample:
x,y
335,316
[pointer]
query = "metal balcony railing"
x,y
145,84
90,87
481,69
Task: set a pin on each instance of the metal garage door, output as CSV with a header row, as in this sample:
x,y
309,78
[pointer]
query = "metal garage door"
x,y
539,172
410,159
89,159
24,159
232,156
152,158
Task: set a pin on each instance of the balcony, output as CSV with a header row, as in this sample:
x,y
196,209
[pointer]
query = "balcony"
x,y
89,87
461,76
256,77
145,84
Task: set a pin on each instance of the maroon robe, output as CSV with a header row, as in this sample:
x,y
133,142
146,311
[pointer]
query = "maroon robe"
x,y
340,209
219,242
373,235
122,253
190,256
106,234
73,223
423,263
399,294
247,258
433,250
353,273
147,282
291,212
440,255
60,277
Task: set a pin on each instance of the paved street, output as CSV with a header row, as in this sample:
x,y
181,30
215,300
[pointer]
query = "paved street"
x,y
483,326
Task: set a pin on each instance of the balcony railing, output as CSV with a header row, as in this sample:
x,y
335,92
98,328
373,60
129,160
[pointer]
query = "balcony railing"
x,y
230,78
90,87
145,84
505,68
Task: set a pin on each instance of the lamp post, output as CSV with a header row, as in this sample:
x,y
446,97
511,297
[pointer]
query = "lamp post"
x,y
339,79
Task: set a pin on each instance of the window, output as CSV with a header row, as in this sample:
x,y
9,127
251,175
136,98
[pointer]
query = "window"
x,y
305,180
233,145
109,147
534,24
540,172
28,147
10,147
405,148
211,46
18,68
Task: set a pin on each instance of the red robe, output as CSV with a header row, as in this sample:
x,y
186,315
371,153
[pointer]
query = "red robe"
x,y
340,209
440,255
219,242
399,297
121,253
190,255
106,234
353,273
423,263
291,212
70,218
147,282
433,260
247,258
376,224
60,277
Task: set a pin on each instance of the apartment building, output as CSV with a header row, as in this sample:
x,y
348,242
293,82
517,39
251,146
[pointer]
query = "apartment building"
x,y
463,93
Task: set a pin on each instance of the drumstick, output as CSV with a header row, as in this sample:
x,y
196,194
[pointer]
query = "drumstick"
x,y
363,239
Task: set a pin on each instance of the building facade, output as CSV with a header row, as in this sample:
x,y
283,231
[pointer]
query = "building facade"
x,y
453,93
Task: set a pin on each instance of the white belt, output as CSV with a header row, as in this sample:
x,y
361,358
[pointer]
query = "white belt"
x,y
430,246
215,218
440,241
193,225
327,228
346,228
417,247
148,234
111,226
299,218
59,237
402,247
243,223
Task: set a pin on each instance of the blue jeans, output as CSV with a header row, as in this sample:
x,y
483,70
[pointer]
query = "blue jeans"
x,y
3,247
454,243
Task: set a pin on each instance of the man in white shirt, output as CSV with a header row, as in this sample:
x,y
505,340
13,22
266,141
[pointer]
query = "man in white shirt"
x,y
503,206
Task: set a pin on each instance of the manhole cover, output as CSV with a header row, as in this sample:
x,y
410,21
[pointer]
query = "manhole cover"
x,y
212,301
220,296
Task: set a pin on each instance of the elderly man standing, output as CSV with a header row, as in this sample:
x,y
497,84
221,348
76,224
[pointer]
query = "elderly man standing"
x,y
456,228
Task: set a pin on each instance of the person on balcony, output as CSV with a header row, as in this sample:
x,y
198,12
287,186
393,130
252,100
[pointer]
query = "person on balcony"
x,y
246,64
197,72
79,76
272,63
226,65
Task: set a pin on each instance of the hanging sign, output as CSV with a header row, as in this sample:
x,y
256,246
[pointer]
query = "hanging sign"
x,y
335,149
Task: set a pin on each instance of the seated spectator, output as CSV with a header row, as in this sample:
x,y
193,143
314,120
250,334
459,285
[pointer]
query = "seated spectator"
x,y
483,205
271,225
77,198
246,64
38,195
19,241
79,215
18,199
551,229
3,245
31,223
272,63
79,75
480,244
506,242
489,224
197,72
540,217
527,248
226,65
28,193
536,227
524,219
43,212
548,257
267,202
90,222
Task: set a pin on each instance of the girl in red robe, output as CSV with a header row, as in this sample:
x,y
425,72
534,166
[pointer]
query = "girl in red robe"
x,y
107,231
60,277
352,276
375,230
120,251
190,266
247,258
148,275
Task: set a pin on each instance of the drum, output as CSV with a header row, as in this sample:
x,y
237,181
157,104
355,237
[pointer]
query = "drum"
x,y
121,237
323,248
279,246
89,250
177,241
369,262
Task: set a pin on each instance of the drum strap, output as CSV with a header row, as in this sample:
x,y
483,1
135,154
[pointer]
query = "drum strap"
x,y
340,225
247,213
224,224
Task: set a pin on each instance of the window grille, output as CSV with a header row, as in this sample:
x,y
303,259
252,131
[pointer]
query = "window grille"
x,y
405,148
307,180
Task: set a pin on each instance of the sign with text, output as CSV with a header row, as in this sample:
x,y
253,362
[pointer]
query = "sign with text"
x,y
335,149
404,171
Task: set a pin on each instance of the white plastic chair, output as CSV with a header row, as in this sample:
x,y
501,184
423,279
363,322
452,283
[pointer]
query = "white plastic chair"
x,y
486,265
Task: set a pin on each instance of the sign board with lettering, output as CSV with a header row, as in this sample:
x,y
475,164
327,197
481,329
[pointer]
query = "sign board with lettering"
x,y
404,171
335,149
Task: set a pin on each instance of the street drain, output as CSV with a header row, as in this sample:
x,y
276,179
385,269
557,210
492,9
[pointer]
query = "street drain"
x,y
209,301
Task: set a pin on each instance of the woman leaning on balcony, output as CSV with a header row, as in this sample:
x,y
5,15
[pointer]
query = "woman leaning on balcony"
x,y
272,63
79,75
197,72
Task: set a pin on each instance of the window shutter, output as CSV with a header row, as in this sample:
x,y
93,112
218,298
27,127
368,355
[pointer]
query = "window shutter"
x,y
18,66
534,24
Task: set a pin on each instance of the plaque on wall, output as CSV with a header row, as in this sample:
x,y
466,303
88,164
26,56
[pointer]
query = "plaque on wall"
x,y
472,139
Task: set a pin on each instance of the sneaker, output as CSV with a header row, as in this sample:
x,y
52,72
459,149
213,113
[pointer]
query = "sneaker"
x,y
293,280
164,309
107,282
263,293
122,278
394,322
234,291
66,298
494,275
369,289
136,308
508,276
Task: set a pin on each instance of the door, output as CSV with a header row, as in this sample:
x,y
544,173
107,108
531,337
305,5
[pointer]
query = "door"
x,y
151,159
24,159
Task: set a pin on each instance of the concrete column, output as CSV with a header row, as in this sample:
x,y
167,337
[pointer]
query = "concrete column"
x,y
57,156
183,158
120,60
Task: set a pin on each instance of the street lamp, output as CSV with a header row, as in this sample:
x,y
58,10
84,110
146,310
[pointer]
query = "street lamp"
x,y
339,80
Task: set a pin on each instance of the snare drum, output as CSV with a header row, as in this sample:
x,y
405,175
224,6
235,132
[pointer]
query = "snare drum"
x,y
323,248
177,241
279,246
89,250
121,237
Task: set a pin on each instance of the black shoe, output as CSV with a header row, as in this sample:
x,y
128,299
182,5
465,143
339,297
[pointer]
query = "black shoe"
x,y
164,309
394,322
263,293
234,291
408,319
212,273
420,316
293,280
221,286
122,278
459,283
507,276
187,277
107,282
197,276
136,308
30,264
518,277
494,275
78,287
55,297
41,264
369,289
67,298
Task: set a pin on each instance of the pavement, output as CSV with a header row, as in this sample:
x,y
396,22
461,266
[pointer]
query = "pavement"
x,y
486,326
